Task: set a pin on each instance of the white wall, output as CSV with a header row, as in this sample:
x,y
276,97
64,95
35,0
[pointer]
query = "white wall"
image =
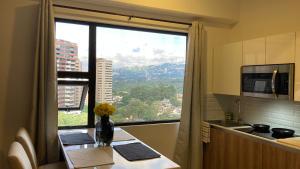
x,y
161,137
225,11
259,18
17,38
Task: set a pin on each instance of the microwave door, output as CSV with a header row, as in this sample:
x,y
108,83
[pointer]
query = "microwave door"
x,y
257,85
282,84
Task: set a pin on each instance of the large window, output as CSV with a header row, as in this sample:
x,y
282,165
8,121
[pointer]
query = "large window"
x,y
140,71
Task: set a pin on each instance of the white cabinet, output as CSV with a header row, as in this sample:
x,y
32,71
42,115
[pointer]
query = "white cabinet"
x,y
227,63
254,51
280,48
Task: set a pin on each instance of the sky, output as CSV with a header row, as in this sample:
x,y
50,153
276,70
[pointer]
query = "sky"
x,y
126,48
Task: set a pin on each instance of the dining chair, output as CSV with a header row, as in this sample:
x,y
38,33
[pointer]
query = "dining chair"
x,y
17,157
24,139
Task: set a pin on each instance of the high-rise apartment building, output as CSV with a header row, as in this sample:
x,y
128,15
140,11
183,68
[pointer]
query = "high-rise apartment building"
x,y
67,60
103,80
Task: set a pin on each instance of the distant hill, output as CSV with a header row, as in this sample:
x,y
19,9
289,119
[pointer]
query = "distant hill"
x,y
166,71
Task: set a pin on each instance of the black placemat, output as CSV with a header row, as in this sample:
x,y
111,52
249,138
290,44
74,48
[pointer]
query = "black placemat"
x,y
76,139
135,151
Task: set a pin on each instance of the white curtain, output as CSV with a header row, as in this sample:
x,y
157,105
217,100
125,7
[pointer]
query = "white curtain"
x,y
188,152
43,125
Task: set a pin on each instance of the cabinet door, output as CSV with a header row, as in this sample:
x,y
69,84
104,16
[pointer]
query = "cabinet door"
x,y
278,158
297,69
227,63
280,48
231,151
249,154
293,161
254,51
214,151
273,157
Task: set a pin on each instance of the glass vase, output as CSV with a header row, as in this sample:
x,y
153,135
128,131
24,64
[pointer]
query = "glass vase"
x,y
104,131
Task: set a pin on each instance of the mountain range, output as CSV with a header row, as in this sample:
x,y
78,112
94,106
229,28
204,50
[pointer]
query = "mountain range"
x,y
166,71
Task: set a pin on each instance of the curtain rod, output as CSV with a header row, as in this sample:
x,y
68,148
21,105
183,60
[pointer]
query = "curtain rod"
x,y
112,13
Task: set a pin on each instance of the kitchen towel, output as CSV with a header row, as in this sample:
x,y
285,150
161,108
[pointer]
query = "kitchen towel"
x,y
76,139
136,151
91,157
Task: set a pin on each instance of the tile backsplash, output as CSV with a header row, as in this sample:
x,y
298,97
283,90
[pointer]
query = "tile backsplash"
x,y
277,113
216,105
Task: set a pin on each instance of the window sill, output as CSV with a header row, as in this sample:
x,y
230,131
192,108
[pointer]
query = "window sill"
x,y
123,124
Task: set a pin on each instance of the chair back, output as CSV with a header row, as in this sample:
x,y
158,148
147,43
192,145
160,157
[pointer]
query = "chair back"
x,y
17,157
24,139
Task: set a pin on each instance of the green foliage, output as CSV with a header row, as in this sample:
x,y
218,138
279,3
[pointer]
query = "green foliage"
x,y
141,102
65,119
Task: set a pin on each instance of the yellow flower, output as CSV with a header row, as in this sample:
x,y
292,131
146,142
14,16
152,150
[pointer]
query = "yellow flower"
x,y
104,109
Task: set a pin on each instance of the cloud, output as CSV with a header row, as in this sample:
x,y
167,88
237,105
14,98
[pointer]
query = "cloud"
x,y
136,50
158,51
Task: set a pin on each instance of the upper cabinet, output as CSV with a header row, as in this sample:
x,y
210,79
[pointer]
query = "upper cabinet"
x,y
275,49
227,63
254,51
280,48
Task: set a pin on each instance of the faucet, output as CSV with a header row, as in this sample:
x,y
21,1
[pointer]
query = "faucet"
x,y
237,101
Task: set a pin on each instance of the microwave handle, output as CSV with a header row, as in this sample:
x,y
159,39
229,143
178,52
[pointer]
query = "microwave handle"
x,y
273,82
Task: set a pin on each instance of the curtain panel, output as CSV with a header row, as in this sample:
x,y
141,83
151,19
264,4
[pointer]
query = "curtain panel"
x,y
188,152
43,124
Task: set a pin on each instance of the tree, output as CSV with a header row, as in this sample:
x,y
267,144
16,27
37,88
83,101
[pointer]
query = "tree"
x,y
136,110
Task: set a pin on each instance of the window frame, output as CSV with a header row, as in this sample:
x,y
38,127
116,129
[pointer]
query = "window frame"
x,y
85,87
91,73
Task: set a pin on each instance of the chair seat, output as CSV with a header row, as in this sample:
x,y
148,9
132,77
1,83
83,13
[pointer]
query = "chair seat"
x,y
58,165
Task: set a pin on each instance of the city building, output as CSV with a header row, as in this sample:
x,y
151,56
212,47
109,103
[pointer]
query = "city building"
x,y
103,80
67,60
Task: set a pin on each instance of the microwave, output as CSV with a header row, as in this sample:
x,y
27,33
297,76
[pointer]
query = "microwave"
x,y
268,81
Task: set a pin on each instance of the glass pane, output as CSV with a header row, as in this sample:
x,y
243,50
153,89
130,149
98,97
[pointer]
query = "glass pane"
x,y
71,112
71,47
141,73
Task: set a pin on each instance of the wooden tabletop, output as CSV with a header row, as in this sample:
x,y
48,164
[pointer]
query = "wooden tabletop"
x,y
119,162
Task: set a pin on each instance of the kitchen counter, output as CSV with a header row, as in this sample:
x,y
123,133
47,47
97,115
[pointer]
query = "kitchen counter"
x,y
232,129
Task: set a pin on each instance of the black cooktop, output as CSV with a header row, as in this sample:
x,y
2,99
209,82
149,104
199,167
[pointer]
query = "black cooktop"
x,y
268,135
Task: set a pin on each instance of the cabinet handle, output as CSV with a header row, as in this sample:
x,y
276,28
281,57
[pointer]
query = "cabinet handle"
x,y
273,82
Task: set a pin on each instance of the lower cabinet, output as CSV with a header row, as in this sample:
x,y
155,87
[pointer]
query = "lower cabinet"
x,y
231,151
213,152
249,154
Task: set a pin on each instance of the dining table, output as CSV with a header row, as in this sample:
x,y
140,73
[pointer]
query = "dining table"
x,y
119,162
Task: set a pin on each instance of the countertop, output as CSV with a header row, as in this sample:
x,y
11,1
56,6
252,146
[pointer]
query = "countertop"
x,y
231,129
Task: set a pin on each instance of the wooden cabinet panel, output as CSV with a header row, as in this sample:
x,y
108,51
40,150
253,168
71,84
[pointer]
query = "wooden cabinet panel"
x,y
273,157
297,69
280,48
227,63
231,151
293,161
249,154
254,51
214,151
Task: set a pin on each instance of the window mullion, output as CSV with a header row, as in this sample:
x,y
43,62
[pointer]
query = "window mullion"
x,y
92,74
